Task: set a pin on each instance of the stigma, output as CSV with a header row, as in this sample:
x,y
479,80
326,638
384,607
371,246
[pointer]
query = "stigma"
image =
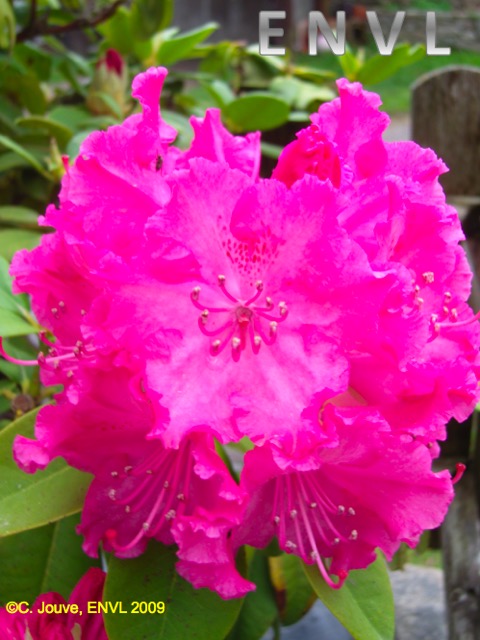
x,y
239,323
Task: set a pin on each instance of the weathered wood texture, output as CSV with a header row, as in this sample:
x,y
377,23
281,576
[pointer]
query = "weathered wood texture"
x,y
446,117
461,556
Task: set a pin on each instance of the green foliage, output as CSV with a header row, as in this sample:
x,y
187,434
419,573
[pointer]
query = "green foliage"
x,y
364,605
190,614
30,501
49,558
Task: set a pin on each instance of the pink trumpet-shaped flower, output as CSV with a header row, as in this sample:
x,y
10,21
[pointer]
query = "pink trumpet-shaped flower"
x,y
322,313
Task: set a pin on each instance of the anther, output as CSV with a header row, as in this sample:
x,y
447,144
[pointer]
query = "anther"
x,y
341,509
128,468
417,289
447,296
166,484
61,304
351,511
216,344
181,496
353,534
145,526
257,341
445,310
195,293
149,472
283,308
419,301
313,555
70,374
276,519
221,280
112,494
259,285
54,311
336,541
313,505
204,316
170,514
269,302
128,508
428,276
236,342
293,514
83,312
114,474
453,314
273,326
290,545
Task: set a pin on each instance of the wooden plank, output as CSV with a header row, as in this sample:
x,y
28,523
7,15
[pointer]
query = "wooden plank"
x,y
446,118
461,556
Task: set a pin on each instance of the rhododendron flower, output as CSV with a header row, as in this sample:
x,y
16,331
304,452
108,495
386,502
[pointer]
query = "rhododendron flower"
x,y
50,618
321,312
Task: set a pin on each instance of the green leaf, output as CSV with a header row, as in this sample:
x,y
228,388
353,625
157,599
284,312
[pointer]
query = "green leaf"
x,y
49,558
177,48
350,64
150,16
12,240
190,614
256,111
18,217
299,94
379,68
118,31
26,155
364,605
28,501
10,160
12,324
259,608
293,589
60,132
7,25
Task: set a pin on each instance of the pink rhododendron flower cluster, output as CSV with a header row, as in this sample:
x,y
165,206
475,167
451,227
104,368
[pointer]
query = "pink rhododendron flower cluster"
x,y
321,313
50,617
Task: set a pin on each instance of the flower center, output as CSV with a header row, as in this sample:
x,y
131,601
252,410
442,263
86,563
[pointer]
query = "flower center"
x,y
240,322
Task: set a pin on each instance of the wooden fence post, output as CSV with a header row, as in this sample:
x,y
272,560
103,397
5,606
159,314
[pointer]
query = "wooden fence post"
x,y
446,118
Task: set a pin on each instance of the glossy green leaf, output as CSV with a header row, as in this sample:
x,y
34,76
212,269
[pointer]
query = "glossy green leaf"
x,y
7,25
60,132
10,160
350,64
12,324
379,68
49,558
118,32
150,16
300,94
256,111
190,614
259,608
28,501
25,154
364,605
18,217
12,240
293,589
181,46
